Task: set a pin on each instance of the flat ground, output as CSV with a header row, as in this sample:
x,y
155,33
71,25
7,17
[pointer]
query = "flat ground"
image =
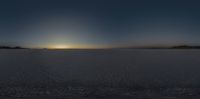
x,y
84,72
193,97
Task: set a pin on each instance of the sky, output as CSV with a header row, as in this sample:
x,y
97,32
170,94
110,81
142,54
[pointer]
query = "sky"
x,y
99,23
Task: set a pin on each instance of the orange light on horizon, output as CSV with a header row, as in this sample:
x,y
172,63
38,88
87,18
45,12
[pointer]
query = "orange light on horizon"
x,y
59,47
64,46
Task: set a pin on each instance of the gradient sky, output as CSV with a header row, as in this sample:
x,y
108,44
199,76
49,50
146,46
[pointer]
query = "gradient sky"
x,y
99,23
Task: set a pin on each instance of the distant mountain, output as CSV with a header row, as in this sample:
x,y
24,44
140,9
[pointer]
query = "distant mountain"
x,y
175,47
9,47
160,47
185,47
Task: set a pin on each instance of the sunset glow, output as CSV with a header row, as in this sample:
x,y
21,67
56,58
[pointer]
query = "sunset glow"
x,y
60,47
124,24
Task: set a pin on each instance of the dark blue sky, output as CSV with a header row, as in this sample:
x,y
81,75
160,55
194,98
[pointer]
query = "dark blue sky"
x,y
99,23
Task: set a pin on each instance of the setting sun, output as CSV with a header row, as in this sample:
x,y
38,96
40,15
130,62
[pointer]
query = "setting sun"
x,y
60,47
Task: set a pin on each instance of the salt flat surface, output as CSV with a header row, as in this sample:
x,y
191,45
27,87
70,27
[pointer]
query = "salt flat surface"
x,y
102,66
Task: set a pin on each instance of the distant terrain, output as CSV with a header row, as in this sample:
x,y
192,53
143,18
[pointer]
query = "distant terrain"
x,y
176,47
154,47
185,47
161,47
9,47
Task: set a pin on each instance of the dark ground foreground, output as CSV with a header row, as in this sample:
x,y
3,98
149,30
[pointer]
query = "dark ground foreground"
x,y
74,97
99,74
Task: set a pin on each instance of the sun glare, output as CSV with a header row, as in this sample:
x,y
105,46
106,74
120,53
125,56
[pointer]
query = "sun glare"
x,y
60,47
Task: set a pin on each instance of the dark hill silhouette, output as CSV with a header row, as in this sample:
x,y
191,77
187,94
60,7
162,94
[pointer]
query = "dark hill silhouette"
x,y
175,47
161,47
186,47
153,47
9,47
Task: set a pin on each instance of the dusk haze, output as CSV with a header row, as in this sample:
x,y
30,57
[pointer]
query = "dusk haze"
x,y
99,23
